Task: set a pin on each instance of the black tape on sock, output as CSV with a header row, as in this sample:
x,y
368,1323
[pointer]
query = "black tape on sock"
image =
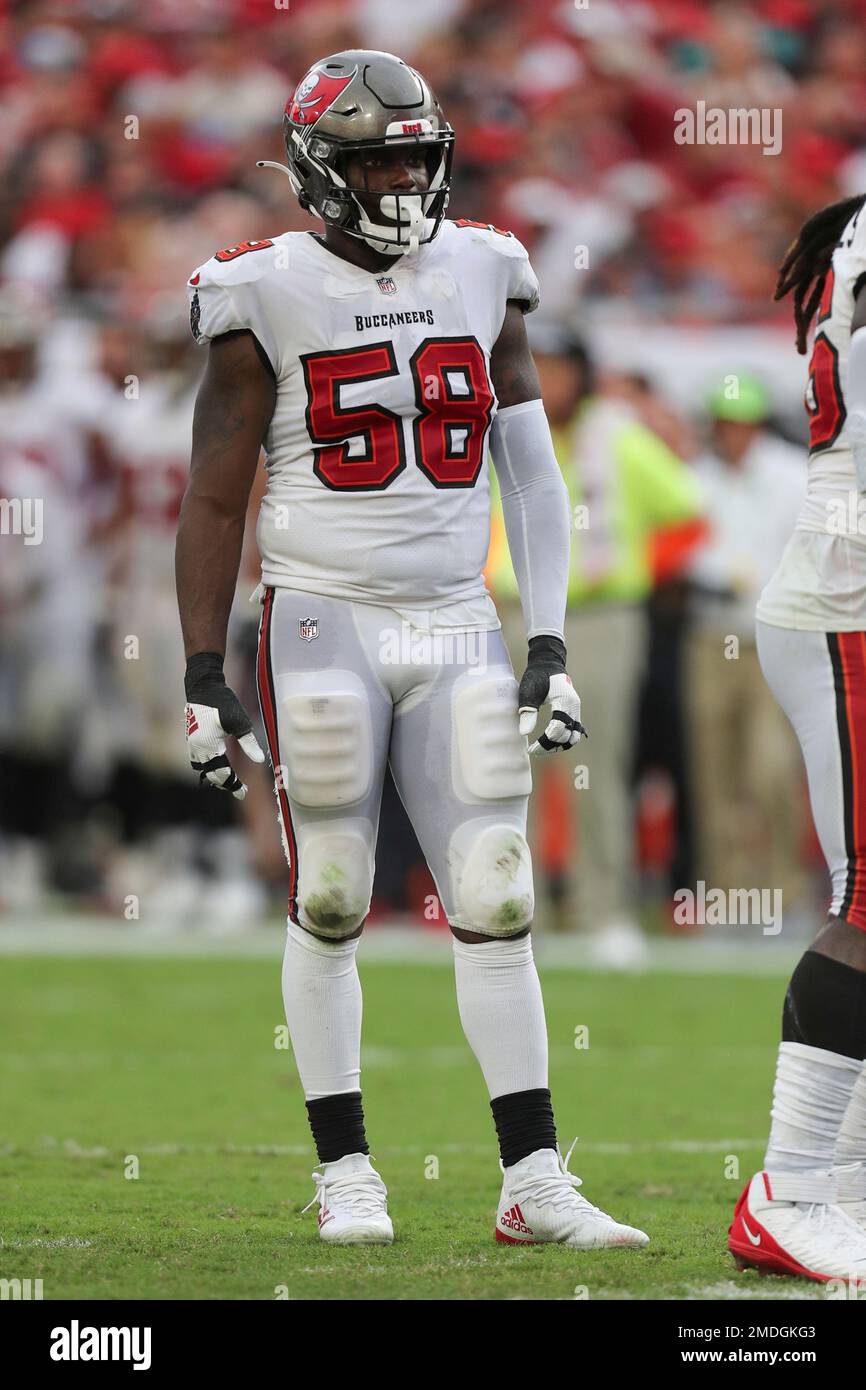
x,y
524,1123
337,1123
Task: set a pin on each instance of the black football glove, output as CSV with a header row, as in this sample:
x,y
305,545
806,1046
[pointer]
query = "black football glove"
x,y
213,711
545,681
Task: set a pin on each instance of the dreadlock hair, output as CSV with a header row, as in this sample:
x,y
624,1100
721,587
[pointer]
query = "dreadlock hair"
x,y
807,261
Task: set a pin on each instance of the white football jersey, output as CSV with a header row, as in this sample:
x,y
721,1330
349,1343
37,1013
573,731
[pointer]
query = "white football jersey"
x,y
821,580
831,463
377,450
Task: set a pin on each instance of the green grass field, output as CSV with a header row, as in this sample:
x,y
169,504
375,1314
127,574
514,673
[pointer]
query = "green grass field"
x,y
173,1062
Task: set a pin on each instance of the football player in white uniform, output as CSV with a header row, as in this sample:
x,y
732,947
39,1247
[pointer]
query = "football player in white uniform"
x,y
375,362
805,1212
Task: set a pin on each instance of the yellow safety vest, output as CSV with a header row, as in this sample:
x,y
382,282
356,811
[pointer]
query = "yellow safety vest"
x,y
623,484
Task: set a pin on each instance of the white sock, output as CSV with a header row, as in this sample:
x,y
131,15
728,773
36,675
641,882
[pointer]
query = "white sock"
x,y
810,1097
851,1142
502,1012
322,998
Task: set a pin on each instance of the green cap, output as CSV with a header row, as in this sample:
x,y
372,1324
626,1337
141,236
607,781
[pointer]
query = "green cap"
x,y
740,398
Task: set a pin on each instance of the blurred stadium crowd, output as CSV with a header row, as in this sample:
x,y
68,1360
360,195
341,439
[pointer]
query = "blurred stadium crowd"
x,y
128,141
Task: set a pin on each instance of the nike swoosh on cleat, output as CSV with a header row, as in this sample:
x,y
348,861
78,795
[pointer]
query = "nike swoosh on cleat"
x,y
756,1240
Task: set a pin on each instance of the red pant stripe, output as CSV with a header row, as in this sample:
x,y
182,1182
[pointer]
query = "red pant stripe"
x,y
851,705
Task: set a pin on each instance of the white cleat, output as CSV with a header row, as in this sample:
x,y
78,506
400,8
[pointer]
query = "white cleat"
x,y
353,1203
540,1204
851,1178
792,1223
856,1212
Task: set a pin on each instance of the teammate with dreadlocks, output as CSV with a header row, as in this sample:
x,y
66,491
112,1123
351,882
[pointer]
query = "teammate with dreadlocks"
x,y
809,258
805,1213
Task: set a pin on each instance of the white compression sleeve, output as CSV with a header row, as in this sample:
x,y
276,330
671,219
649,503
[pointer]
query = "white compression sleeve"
x,y
502,1012
536,511
855,399
322,998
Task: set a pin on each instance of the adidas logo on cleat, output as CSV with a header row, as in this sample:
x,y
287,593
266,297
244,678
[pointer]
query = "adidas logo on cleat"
x,y
513,1221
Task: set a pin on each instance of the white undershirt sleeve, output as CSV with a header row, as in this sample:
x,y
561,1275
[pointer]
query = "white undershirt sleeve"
x,y
536,510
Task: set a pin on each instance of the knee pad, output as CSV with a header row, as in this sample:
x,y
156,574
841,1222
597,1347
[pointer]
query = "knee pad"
x,y
335,882
490,761
326,738
492,872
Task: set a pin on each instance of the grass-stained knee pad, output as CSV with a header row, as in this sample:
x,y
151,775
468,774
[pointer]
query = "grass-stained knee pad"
x,y
336,882
492,880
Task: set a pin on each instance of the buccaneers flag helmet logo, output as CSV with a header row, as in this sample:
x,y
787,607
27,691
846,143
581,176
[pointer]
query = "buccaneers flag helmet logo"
x,y
313,96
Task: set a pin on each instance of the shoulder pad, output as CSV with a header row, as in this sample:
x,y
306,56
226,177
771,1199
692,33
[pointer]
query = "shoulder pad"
x,y
497,238
236,265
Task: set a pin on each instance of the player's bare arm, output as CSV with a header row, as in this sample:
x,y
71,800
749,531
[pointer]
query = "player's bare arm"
x,y
233,409
512,369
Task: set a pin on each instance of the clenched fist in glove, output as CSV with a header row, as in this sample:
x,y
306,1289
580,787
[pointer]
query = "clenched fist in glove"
x,y
545,681
214,711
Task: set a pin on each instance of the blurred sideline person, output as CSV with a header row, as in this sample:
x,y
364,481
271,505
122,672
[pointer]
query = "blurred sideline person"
x,y
747,799
375,359
624,483
192,865
805,1212
48,598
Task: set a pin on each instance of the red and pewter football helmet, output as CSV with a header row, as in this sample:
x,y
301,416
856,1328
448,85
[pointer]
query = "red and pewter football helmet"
x,y
357,101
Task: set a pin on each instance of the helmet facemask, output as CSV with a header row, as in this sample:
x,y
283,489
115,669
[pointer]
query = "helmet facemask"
x,y
393,223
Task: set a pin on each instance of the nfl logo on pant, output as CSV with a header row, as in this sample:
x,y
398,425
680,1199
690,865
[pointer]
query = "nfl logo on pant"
x,y
308,628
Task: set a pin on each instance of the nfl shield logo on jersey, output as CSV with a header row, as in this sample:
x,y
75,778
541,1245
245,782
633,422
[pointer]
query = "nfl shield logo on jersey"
x,y
308,628
386,284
